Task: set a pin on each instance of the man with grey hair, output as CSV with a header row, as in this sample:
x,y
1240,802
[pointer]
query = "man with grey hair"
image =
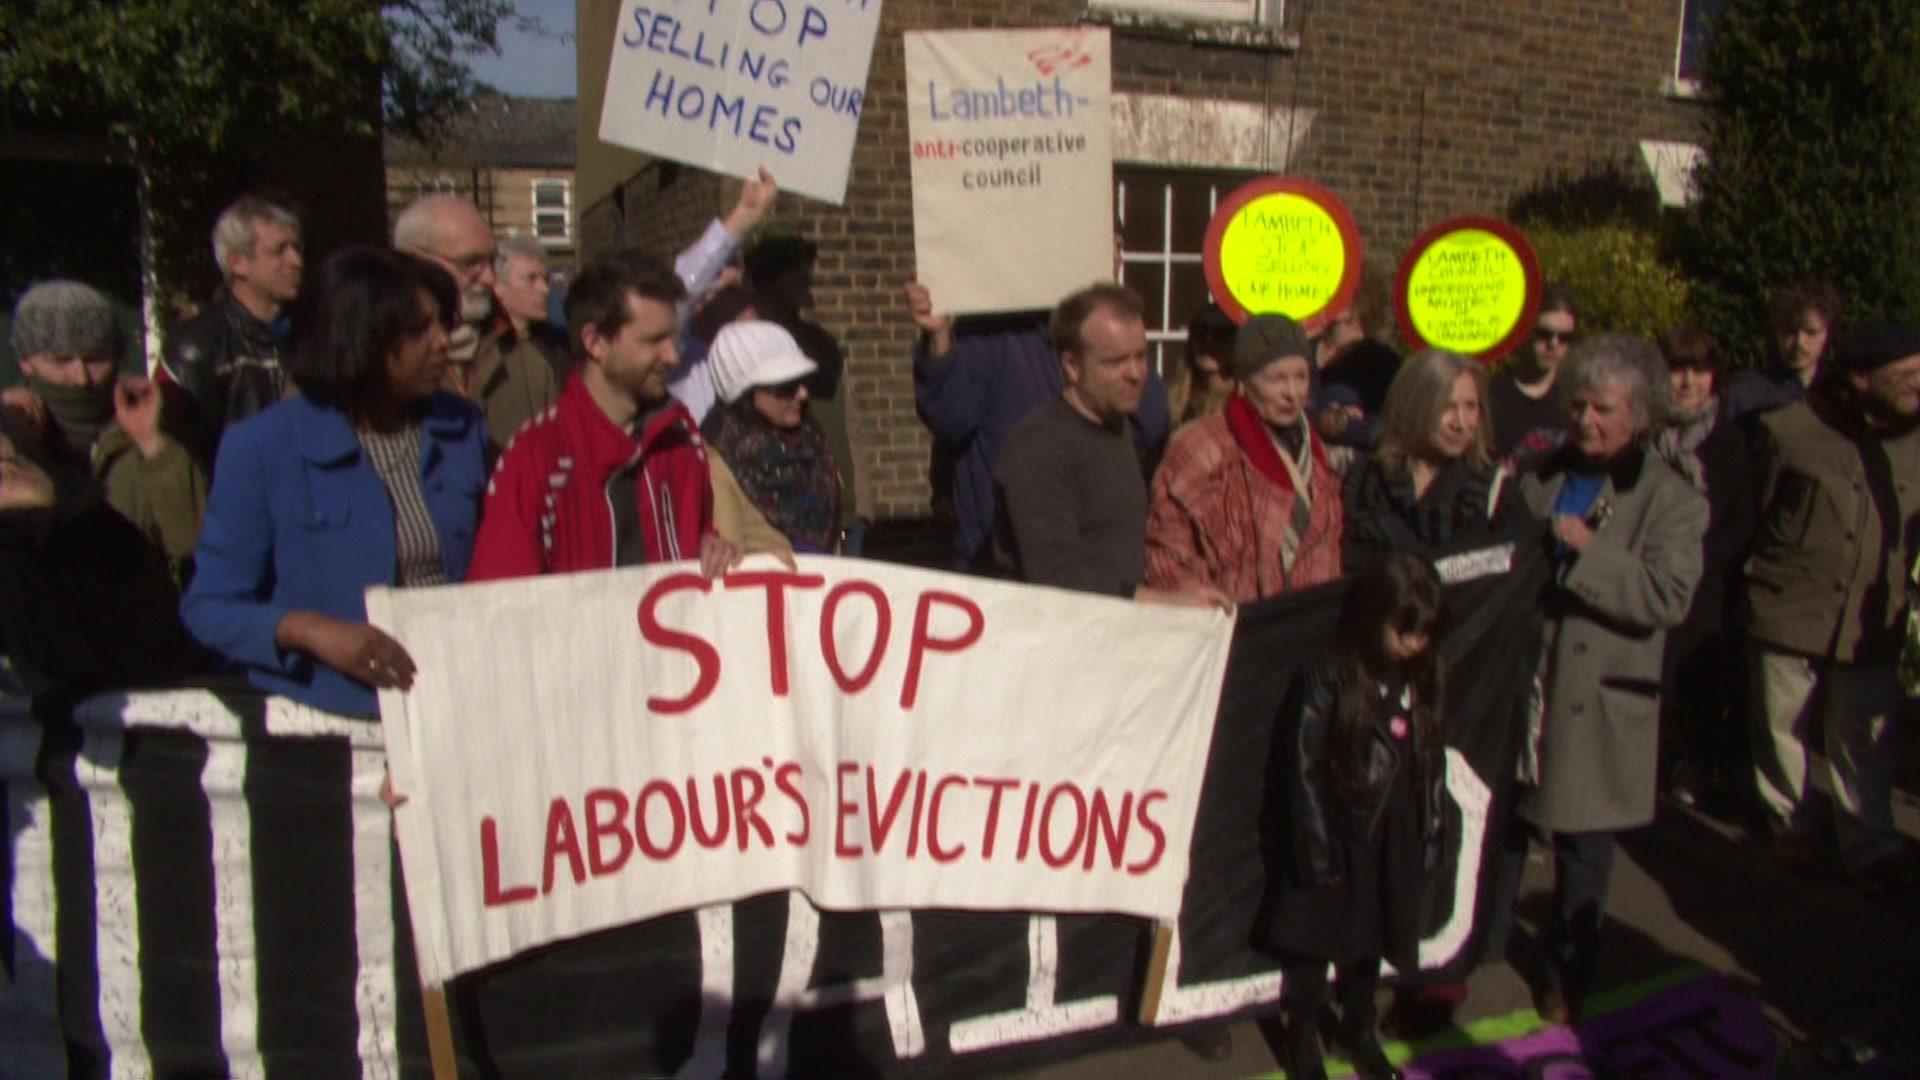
x,y
521,290
227,358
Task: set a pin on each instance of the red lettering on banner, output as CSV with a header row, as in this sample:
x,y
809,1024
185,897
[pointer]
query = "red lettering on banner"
x,y
562,839
1101,825
1026,824
702,652
941,853
1000,787
783,779
614,825
841,848
747,791
776,583
1159,836
830,647
648,848
1047,853
879,821
923,642
919,804
700,835
493,895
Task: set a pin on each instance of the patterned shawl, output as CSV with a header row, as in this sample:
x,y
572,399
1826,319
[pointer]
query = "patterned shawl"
x,y
789,476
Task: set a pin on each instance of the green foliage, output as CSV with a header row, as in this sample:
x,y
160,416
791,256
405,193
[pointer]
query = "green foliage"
x,y
204,74
1813,165
1616,273
201,91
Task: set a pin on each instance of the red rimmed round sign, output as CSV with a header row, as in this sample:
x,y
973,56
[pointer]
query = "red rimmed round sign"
x,y
1469,285
1282,245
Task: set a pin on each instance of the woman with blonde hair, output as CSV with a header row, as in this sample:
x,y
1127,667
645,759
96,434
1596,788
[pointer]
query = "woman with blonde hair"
x,y
1432,486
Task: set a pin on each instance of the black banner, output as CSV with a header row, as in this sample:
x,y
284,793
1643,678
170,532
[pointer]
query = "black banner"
x,y
196,887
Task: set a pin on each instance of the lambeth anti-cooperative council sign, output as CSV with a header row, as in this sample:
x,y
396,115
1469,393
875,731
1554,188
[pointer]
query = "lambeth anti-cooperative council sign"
x,y
737,85
1469,285
1012,159
1283,246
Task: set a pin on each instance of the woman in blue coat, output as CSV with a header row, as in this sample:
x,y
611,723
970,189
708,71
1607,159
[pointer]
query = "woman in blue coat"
x,y
369,475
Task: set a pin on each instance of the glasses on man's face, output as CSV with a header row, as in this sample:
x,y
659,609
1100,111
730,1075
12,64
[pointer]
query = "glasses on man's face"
x,y
1545,336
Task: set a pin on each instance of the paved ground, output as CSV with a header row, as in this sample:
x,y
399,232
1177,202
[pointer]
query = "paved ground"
x,y
1824,961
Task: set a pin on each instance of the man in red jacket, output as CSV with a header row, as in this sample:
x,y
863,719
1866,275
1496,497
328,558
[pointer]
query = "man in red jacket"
x,y
614,472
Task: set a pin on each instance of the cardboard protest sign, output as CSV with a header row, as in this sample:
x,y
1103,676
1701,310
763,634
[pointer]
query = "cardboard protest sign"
x,y
733,85
1283,246
589,750
1470,285
1012,165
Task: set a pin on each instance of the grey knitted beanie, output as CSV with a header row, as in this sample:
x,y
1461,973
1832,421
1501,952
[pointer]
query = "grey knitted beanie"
x,y
64,317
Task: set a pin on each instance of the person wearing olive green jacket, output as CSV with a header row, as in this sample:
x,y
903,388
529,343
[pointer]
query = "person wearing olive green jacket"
x,y
76,407
1827,589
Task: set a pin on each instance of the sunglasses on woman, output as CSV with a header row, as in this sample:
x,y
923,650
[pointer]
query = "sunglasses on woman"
x,y
1552,337
786,391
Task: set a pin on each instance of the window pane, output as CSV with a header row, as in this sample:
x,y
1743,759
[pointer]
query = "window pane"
x,y
1696,31
550,226
1189,293
1192,209
1145,279
550,193
1144,202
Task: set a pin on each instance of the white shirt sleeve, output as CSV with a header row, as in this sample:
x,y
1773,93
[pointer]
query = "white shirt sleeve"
x,y
703,260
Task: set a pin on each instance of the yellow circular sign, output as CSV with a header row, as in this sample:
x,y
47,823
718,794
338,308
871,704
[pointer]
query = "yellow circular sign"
x,y
1466,291
1283,253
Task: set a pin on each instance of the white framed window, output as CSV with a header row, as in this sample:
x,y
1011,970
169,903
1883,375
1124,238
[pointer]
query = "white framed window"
x,y
439,184
1231,11
1163,228
1690,50
553,210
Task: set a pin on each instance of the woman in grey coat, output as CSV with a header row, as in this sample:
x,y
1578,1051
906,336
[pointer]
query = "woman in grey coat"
x,y
1626,533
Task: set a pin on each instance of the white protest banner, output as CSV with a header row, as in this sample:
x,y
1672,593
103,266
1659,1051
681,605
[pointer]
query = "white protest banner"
x,y
584,751
733,85
1012,165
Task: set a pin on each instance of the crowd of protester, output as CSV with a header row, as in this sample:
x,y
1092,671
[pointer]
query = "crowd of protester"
x,y
407,415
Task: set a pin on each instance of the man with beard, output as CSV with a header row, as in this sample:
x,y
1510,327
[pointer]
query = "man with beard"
x,y
510,385
85,415
227,358
614,474
1827,588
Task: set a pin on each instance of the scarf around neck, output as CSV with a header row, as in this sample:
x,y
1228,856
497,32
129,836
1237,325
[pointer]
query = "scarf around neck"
x,y
790,477
79,412
1257,441
1678,443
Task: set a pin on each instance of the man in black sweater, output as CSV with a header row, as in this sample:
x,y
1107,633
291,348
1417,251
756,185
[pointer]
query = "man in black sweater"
x,y
1070,486
1072,494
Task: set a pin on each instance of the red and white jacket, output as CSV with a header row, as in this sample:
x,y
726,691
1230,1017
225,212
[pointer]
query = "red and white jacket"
x,y
549,507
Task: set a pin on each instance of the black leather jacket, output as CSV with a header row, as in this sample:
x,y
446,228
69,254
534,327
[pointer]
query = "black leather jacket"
x,y
228,362
1321,818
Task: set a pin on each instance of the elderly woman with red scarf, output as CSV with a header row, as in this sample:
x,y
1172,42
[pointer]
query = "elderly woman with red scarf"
x,y
1246,500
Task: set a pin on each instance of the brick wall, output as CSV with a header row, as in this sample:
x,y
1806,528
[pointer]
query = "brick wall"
x,y
1421,109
